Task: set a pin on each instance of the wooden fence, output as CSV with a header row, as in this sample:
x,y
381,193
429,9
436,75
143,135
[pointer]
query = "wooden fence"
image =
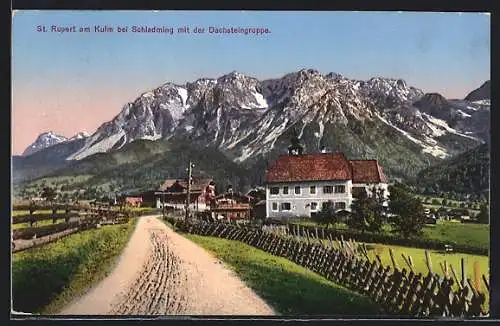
x,y
399,291
76,219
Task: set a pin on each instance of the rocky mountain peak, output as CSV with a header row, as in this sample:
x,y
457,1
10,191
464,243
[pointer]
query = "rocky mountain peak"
x,y
44,140
481,93
334,76
432,100
80,135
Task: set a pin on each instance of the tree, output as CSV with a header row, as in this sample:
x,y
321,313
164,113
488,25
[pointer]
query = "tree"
x,y
375,203
366,215
48,193
484,215
408,216
367,211
359,210
326,215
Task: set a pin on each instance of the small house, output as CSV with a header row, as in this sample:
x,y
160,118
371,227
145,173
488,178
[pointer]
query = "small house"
x,y
133,201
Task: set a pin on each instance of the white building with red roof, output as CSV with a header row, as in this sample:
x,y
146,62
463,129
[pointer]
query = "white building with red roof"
x,y
298,185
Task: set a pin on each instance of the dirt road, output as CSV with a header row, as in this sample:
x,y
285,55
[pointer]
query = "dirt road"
x,y
162,273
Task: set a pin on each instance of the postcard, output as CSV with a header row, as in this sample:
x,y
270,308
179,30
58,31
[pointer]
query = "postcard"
x,y
250,163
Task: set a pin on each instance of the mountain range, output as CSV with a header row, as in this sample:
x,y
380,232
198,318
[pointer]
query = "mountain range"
x,y
248,122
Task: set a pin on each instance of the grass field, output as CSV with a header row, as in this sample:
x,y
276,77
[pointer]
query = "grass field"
x,y
437,257
454,233
289,288
466,234
45,279
37,224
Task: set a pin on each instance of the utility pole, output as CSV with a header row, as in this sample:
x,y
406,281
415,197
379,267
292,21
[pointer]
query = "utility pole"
x,y
188,202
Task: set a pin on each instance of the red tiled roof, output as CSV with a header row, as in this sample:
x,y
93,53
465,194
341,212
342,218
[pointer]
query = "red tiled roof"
x,y
367,171
309,167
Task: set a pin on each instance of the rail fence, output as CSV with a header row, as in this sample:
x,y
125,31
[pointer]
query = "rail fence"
x,y
76,219
399,291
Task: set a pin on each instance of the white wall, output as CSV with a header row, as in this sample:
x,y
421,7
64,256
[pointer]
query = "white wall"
x,y
301,203
201,206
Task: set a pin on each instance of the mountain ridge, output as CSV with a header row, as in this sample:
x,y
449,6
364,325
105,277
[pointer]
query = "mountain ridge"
x,y
249,120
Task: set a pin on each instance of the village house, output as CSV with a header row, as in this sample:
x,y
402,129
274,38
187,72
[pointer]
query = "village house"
x,y
132,201
173,194
232,205
299,185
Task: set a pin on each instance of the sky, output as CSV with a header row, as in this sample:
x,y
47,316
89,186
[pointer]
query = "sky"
x,y
75,81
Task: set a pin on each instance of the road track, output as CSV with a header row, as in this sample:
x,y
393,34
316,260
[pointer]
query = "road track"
x,y
162,273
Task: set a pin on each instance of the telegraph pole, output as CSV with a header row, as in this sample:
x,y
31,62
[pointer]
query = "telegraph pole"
x,y
188,202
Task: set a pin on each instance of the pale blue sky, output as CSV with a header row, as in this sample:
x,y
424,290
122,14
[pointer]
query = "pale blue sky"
x,y
437,52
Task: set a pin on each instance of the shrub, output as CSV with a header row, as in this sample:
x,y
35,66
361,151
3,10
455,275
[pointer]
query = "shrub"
x,y
326,215
484,215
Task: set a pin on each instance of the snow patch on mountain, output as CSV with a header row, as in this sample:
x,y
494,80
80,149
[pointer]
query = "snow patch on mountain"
x,y
100,147
434,150
321,130
483,102
274,134
80,135
463,114
261,101
183,93
246,153
154,137
444,125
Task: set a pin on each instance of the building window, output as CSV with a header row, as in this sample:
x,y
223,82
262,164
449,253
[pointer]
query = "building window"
x,y
274,206
312,190
285,190
275,190
340,205
325,205
297,190
340,189
328,189
286,206
314,206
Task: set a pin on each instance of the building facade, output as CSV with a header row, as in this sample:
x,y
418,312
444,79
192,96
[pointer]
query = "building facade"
x,y
173,194
299,185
